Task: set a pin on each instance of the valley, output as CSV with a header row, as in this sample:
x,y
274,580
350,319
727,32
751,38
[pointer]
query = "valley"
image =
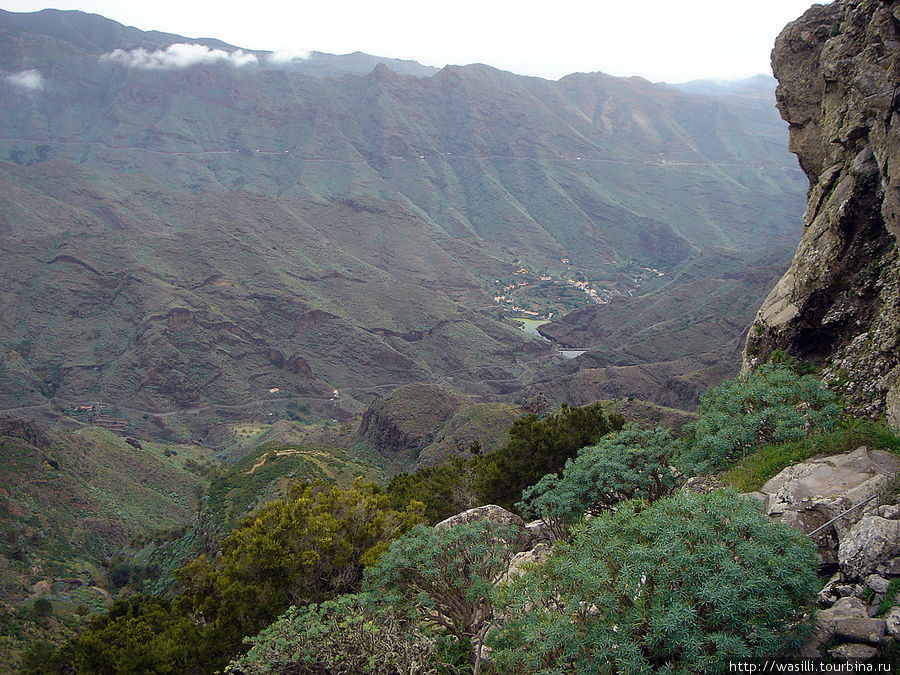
x,y
336,296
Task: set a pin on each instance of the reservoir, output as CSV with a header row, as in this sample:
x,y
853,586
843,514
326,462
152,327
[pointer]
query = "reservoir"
x,y
530,326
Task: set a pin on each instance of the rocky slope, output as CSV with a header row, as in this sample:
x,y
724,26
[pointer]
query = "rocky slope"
x,y
180,234
838,68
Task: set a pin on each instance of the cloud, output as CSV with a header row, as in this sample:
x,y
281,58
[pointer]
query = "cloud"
x,y
181,55
283,56
32,80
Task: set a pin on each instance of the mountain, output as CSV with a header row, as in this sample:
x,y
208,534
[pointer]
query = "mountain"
x,y
838,304
186,224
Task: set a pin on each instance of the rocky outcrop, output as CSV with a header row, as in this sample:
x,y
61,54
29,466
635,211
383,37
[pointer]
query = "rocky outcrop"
x,y
809,495
838,500
838,68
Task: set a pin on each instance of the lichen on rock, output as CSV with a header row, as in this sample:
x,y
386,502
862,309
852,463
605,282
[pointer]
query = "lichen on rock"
x,y
838,68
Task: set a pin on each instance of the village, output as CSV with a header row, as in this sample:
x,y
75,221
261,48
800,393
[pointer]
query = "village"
x,y
541,294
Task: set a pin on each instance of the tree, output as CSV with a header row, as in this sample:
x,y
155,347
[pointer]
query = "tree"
x,y
685,584
309,547
537,447
771,405
354,634
631,463
447,576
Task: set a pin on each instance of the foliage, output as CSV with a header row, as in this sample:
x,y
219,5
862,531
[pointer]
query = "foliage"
x,y
447,575
771,405
682,585
309,547
141,634
445,489
890,597
539,446
631,463
751,472
352,634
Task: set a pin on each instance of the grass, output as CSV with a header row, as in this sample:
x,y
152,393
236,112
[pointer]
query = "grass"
x,y
753,471
890,597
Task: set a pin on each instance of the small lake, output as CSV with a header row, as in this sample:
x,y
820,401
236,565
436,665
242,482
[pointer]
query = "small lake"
x,y
531,326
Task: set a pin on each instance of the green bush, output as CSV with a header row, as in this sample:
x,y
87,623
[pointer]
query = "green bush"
x,y
686,584
751,472
353,634
771,405
537,447
309,547
631,463
445,489
446,575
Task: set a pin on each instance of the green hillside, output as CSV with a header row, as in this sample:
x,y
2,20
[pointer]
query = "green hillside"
x,y
172,238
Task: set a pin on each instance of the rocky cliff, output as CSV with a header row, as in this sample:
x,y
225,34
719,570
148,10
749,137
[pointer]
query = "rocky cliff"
x,y
838,68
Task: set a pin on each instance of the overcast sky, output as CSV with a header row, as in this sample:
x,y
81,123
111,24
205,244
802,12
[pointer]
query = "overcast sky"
x,y
662,40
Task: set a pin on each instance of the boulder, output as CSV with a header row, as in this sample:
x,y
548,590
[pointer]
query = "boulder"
x,y
853,652
496,514
533,556
488,512
539,531
890,568
870,631
892,622
869,543
878,584
845,608
809,494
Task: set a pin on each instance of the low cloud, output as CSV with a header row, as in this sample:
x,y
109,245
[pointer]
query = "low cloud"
x,y
32,80
286,56
181,55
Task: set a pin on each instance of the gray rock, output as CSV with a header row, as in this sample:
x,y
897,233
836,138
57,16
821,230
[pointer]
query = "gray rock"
x,y
496,514
808,495
843,609
866,630
829,594
892,567
521,561
488,512
877,583
853,652
844,590
870,542
539,531
892,622
891,512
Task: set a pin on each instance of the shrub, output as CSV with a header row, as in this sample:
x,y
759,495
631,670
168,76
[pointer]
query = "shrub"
x,y
682,585
353,634
538,447
771,405
632,463
309,547
447,575
43,607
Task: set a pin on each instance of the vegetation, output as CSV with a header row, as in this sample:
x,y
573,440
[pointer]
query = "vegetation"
x,y
448,575
351,635
753,470
771,405
682,585
631,463
538,446
309,547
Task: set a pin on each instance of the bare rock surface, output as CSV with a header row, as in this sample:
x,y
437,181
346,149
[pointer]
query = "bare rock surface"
x,y
870,541
838,68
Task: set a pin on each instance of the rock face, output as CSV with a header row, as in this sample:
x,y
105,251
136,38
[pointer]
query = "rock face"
x,y
838,68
